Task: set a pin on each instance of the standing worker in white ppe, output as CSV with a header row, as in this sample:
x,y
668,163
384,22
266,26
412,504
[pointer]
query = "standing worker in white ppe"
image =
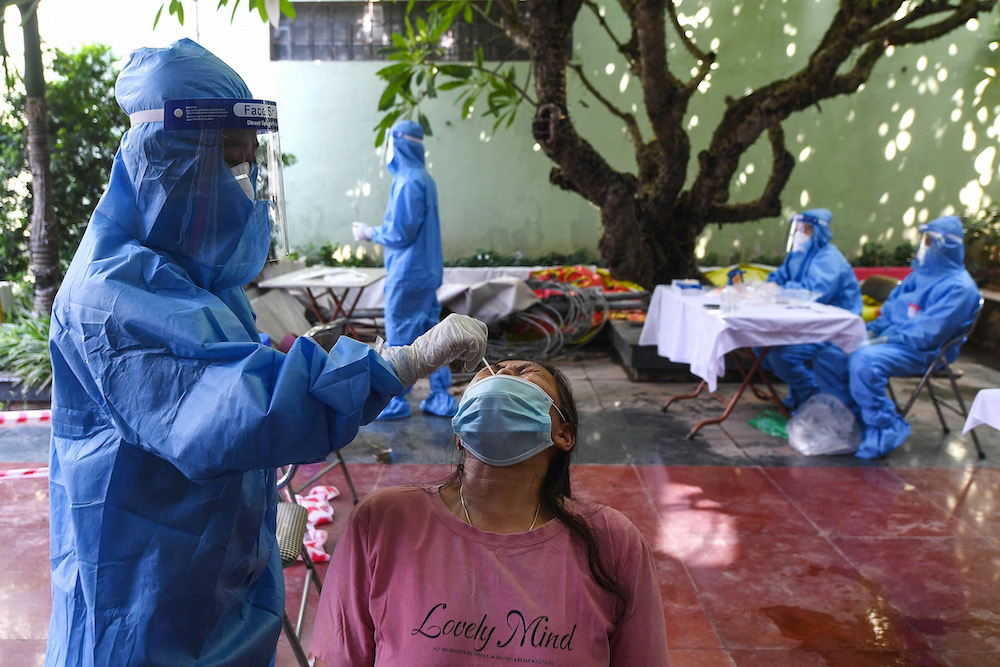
x,y
169,417
411,234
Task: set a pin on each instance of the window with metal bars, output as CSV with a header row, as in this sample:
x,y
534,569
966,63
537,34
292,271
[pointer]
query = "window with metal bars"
x,y
359,30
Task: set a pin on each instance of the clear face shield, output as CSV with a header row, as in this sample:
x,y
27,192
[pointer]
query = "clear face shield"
x,y
930,238
800,231
246,133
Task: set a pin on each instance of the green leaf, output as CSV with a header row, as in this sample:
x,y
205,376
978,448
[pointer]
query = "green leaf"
x,y
451,85
157,19
479,56
457,71
467,13
288,9
393,88
425,124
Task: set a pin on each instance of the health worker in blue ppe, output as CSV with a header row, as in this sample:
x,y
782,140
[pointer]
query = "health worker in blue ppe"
x,y
813,263
931,306
414,264
169,417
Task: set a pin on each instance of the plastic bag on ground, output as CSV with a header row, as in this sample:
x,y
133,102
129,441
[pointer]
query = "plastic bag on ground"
x,y
824,426
771,422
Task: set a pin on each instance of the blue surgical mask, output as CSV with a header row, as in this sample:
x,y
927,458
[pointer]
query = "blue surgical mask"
x,y
504,420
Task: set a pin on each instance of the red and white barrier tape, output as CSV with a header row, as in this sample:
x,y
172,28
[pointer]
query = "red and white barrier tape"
x,y
25,416
24,473
320,512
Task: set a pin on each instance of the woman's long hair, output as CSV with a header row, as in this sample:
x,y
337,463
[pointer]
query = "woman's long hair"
x,y
555,488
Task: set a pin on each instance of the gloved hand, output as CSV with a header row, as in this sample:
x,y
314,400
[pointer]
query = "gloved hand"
x,y
455,336
362,232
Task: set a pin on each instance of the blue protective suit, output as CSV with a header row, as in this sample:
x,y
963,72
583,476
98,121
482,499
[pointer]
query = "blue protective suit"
x,y
411,234
168,415
931,306
820,268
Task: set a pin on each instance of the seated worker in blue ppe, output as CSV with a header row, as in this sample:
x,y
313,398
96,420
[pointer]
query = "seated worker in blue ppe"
x,y
414,264
813,264
169,417
930,307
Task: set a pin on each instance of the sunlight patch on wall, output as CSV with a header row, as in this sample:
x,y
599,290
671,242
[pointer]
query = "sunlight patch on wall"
x,y
972,196
805,153
804,199
609,69
903,141
699,248
363,189
890,151
693,122
790,50
968,137
907,119
536,147
623,84
884,199
485,138
929,183
910,216
883,129
920,196
984,165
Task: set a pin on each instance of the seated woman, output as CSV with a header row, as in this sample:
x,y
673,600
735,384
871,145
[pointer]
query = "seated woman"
x,y
499,563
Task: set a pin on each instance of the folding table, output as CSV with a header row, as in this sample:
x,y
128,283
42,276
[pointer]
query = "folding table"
x,y
315,280
690,329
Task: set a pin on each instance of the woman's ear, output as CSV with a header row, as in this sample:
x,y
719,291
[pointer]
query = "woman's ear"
x,y
563,436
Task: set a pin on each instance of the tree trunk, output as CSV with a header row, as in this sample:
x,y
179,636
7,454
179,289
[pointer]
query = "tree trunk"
x,y
44,241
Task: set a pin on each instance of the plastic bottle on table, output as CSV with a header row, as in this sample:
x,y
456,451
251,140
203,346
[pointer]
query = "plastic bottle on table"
x,y
729,299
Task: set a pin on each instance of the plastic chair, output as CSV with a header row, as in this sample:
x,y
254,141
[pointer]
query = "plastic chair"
x,y
937,368
291,528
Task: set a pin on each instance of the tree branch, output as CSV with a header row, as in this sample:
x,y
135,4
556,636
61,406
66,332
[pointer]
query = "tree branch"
x,y
627,118
627,49
769,203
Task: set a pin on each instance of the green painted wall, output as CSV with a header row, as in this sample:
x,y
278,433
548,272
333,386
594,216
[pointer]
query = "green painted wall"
x,y
919,141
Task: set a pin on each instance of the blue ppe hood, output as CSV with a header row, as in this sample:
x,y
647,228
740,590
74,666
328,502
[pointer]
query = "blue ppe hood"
x,y
184,201
168,415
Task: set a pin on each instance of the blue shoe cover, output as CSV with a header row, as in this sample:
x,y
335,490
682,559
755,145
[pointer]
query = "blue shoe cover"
x,y
398,408
878,442
440,403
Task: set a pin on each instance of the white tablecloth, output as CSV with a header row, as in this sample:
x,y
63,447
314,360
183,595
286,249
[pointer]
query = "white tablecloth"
x,y
985,410
685,329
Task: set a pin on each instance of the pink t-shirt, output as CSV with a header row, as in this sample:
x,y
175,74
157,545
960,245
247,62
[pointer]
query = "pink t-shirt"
x,y
411,584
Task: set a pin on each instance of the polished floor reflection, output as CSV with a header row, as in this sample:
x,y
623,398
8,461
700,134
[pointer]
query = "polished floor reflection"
x,y
766,557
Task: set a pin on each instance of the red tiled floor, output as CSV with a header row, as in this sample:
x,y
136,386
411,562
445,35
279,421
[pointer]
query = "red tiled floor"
x,y
863,501
758,566
946,589
971,496
714,500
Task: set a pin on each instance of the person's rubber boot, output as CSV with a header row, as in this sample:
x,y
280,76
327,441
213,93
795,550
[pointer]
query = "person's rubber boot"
x,y
439,402
398,408
878,442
